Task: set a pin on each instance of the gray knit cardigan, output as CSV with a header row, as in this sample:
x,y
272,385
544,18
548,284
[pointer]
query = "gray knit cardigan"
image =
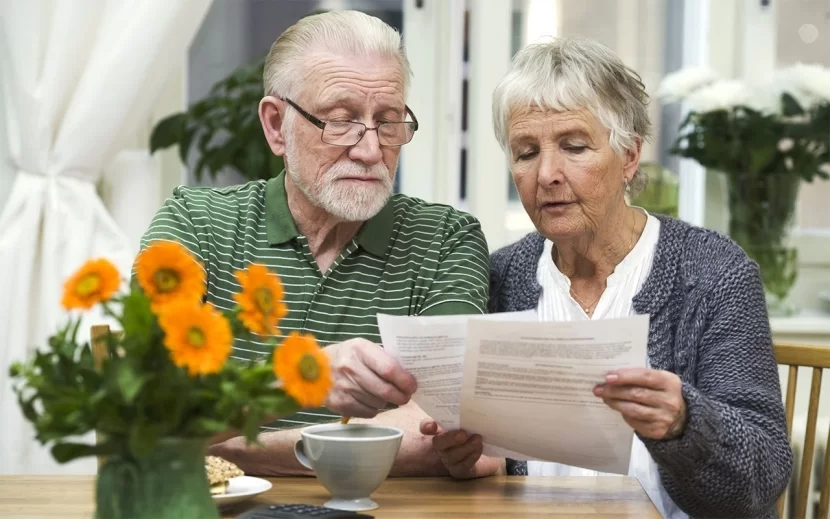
x,y
709,325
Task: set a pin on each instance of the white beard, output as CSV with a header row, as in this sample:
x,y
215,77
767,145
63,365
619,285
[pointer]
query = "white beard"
x,y
348,201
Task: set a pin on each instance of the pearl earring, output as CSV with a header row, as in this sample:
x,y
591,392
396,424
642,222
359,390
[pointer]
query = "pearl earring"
x,y
627,186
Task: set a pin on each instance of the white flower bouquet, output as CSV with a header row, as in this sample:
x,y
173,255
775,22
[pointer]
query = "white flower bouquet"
x,y
766,139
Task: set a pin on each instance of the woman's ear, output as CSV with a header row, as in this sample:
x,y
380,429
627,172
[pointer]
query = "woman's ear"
x,y
271,116
632,160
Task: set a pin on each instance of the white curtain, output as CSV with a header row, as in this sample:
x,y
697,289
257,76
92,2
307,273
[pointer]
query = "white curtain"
x,y
78,77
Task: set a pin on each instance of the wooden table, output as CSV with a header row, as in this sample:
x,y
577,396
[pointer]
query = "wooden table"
x,y
71,497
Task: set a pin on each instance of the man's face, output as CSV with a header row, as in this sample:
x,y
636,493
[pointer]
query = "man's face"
x,y
352,183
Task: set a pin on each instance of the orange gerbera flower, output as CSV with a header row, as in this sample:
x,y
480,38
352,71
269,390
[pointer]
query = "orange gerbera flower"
x,y
167,272
303,368
96,281
198,337
260,300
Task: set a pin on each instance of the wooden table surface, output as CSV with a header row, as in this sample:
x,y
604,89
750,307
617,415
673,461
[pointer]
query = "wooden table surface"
x,y
71,497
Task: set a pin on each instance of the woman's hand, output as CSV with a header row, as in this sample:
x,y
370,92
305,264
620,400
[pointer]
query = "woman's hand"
x,y
650,401
461,453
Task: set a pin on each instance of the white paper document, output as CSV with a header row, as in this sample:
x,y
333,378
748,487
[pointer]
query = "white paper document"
x,y
525,386
432,350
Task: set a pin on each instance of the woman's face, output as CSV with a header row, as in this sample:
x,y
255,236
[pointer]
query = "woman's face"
x,y
568,177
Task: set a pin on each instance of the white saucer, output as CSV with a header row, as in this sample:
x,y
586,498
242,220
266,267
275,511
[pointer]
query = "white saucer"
x,y
352,505
241,489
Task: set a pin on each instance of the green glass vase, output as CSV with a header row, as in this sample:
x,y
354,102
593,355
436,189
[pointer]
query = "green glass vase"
x,y
761,212
170,483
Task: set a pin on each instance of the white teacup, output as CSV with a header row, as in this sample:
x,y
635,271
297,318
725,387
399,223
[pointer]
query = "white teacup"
x,y
350,460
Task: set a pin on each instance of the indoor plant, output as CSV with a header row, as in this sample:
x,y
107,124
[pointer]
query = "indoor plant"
x,y
223,129
660,193
766,139
166,385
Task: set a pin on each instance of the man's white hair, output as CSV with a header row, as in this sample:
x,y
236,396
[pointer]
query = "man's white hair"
x,y
343,32
571,73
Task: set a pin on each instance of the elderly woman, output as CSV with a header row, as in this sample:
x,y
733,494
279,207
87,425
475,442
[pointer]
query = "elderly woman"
x,y
711,438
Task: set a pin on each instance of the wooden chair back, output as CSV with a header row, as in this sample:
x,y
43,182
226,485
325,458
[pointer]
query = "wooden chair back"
x,y
818,358
98,340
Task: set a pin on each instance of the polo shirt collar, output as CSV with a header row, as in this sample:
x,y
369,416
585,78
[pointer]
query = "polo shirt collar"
x,y
279,224
374,236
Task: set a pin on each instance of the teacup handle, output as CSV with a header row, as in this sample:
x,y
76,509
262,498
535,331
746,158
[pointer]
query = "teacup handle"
x,y
299,452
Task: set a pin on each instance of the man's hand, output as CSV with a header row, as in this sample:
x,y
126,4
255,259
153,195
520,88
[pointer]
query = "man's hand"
x,y
650,401
461,453
365,379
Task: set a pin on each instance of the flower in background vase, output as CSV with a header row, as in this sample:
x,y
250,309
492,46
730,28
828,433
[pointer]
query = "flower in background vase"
x,y
167,273
727,94
808,84
785,145
303,368
705,92
679,85
260,300
197,336
95,282
766,139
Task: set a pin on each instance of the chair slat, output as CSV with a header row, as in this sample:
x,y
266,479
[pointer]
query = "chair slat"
x,y
789,405
803,355
99,335
804,486
824,503
792,381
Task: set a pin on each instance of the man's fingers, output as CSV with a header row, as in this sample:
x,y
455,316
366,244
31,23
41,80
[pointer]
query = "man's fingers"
x,y
375,387
429,427
448,440
368,400
455,455
389,370
466,467
346,405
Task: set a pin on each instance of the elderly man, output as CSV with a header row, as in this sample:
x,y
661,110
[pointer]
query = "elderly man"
x,y
345,247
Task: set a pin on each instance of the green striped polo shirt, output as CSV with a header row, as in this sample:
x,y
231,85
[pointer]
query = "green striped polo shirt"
x,y
412,258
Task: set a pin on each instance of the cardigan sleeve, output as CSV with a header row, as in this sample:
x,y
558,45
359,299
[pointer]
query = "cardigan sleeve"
x,y
734,458
499,262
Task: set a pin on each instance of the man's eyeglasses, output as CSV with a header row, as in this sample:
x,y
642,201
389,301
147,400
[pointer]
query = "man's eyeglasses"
x,y
349,133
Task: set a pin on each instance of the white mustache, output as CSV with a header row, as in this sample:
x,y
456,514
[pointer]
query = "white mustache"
x,y
353,170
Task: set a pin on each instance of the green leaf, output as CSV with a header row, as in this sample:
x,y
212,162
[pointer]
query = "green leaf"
x,y
138,320
227,387
16,370
129,381
279,404
85,357
200,109
206,426
790,106
253,418
760,158
168,132
228,113
64,452
28,408
185,142
111,422
223,156
143,438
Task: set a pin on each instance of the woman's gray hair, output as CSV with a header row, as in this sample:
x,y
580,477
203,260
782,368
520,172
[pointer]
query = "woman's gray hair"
x,y
343,32
575,73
